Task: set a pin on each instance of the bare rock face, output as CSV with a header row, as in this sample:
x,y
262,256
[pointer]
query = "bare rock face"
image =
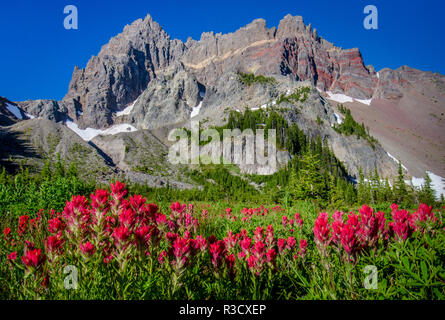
x,y
37,139
7,118
134,59
161,80
169,99
45,109
121,71
293,49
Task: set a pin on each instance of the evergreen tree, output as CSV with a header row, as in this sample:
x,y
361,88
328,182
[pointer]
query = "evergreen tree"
x,y
427,194
59,170
72,169
311,184
337,192
46,171
400,191
375,187
292,185
387,192
3,176
363,189
350,195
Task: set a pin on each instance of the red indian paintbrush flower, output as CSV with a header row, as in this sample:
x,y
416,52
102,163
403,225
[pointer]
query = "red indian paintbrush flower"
x,y
200,243
284,221
87,249
303,247
217,251
161,219
337,226
269,239
271,254
127,218
245,244
33,258
23,224
181,247
99,199
322,229
137,203
230,262
401,226
108,259
258,234
121,234
369,225
281,243
55,225
351,235
6,231
151,210
298,220
291,242
77,214
12,256
177,207
162,257
118,191
54,244
230,241
144,234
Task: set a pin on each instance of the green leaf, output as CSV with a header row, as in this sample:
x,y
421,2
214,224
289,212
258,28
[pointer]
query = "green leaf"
x,y
424,271
405,263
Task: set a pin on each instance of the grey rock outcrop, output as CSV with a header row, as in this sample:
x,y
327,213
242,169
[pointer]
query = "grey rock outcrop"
x,y
120,72
168,99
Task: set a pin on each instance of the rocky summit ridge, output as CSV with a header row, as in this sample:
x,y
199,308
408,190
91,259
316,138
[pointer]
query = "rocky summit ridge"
x,y
144,78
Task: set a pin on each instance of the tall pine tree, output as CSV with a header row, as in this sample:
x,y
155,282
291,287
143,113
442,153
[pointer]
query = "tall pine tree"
x,y
427,194
400,191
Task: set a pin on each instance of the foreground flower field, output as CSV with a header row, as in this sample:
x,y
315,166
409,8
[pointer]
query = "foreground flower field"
x,y
115,246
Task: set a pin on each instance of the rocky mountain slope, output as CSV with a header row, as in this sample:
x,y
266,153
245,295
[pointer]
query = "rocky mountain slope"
x,y
143,83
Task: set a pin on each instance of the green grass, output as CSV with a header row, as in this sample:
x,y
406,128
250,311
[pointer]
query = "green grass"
x,y
250,79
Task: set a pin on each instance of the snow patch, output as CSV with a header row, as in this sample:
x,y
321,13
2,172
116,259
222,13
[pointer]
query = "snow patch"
x,y
437,183
195,110
30,116
342,98
338,118
378,75
338,97
396,160
14,110
89,133
127,110
367,102
264,106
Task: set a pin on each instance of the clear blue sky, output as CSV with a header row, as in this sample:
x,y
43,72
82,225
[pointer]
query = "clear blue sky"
x,y
37,55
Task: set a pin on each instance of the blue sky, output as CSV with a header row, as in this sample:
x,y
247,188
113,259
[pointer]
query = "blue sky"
x,y
37,55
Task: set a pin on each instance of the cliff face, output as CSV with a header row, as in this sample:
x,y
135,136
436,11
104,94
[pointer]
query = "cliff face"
x,y
120,72
144,78
126,66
